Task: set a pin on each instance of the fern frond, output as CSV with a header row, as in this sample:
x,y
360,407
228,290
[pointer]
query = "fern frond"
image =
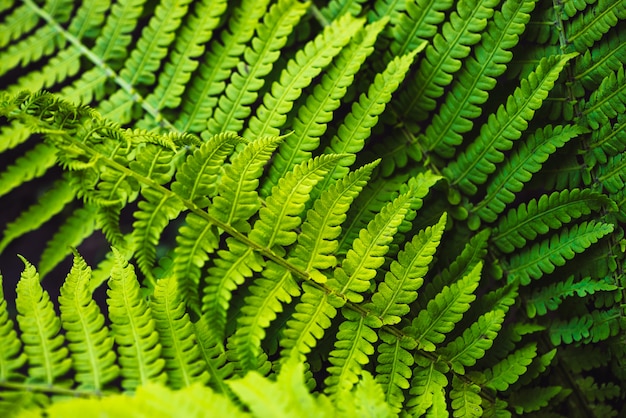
x,y
592,327
297,74
537,217
20,21
12,358
405,276
337,8
152,46
283,207
213,353
508,370
237,198
196,181
358,124
426,386
374,196
133,328
44,345
317,241
189,45
116,35
79,225
443,57
533,399
550,297
235,104
275,229
89,339
545,256
444,311
353,348
466,349
368,251
312,317
606,141
588,27
608,101
592,66
49,204
503,127
221,58
313,116
393,368
183,362
465,399
520,167
154,213
32,164
418,24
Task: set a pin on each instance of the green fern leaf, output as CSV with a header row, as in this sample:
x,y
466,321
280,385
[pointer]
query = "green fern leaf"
x,y
599,61
44,346
374,196
213,354
607,101
183,362
43,42
151,48
587,28
592,327
133,328
427,385
444,311
318,237
358,124
312,118
465,398
537,217
89,339
12,358
508,370
606,141
473,253
443,56
189,45
475,341
368,250
34,163
312,317
219,61
533,399
353,348
479,160
550,297
544,257
416,25
21,20
405,276
275,229
78,226
48,205
520,167
196,181
337,8
237,198
234,105
477,77
298,73
393,368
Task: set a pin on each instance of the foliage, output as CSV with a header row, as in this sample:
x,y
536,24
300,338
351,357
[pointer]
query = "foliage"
x,y
393,208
